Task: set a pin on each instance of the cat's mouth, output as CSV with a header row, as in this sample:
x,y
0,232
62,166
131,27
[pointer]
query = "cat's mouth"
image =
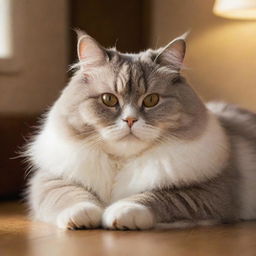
x,y
130,136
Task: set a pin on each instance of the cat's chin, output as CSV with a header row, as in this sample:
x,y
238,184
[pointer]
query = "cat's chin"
x,y
128,146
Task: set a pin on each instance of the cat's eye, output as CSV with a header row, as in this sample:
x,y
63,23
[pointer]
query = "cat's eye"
x,y
109,99
151,100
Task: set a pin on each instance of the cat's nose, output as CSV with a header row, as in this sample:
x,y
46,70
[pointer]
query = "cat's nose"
x,y
130,121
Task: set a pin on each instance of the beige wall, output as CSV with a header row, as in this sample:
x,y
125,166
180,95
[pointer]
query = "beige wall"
x,y
221,55
41,48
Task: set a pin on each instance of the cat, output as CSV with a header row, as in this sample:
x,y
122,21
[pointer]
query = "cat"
x,y
130,145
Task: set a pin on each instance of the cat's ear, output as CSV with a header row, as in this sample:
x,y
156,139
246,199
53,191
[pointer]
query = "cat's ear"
x,y
172,55
89,51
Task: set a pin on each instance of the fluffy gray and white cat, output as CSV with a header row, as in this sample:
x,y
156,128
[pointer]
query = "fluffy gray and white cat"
x,y
129,144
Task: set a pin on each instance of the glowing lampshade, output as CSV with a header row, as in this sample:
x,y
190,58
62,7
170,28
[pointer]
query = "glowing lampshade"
x,y
235,9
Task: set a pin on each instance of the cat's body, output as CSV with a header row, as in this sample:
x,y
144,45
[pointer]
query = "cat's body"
x,y
132,165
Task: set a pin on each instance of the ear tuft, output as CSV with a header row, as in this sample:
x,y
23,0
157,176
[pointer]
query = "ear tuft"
x,y
80,33
172,55
89,51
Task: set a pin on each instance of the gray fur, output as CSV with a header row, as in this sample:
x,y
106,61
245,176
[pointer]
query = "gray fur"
x,y
212,200
180,114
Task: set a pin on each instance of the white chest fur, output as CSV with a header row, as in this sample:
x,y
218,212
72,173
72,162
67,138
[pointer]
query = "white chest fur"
x,y
171,163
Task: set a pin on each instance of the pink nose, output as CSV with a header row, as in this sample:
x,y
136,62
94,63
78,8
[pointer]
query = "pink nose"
x,y
130,121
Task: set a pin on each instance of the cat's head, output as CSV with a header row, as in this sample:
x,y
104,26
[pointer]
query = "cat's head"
x,y
126,103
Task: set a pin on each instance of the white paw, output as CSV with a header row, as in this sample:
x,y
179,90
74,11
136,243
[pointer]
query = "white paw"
x,y
128,215
79,216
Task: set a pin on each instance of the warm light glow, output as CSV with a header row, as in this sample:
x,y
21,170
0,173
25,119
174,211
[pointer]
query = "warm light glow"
x,y
235,9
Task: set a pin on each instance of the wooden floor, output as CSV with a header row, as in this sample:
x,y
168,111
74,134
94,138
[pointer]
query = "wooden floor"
x,y
19,236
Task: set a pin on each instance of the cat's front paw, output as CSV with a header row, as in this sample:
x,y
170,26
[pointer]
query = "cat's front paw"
x,y
80,216
127,215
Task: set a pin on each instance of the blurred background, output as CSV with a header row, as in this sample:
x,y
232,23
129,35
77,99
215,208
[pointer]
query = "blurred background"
x,y
37,44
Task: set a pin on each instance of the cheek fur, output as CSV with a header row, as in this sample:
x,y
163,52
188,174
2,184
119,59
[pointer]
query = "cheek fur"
x,y
165,115
115,131
95,113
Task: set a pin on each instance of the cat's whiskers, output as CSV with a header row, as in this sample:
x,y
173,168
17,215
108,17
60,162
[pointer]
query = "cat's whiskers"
x,y
93,141
116,130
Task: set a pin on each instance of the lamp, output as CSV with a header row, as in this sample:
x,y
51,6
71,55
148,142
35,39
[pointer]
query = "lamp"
x,y
235,9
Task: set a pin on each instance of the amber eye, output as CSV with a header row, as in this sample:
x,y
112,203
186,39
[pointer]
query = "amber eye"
x,y
151,100
109,99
